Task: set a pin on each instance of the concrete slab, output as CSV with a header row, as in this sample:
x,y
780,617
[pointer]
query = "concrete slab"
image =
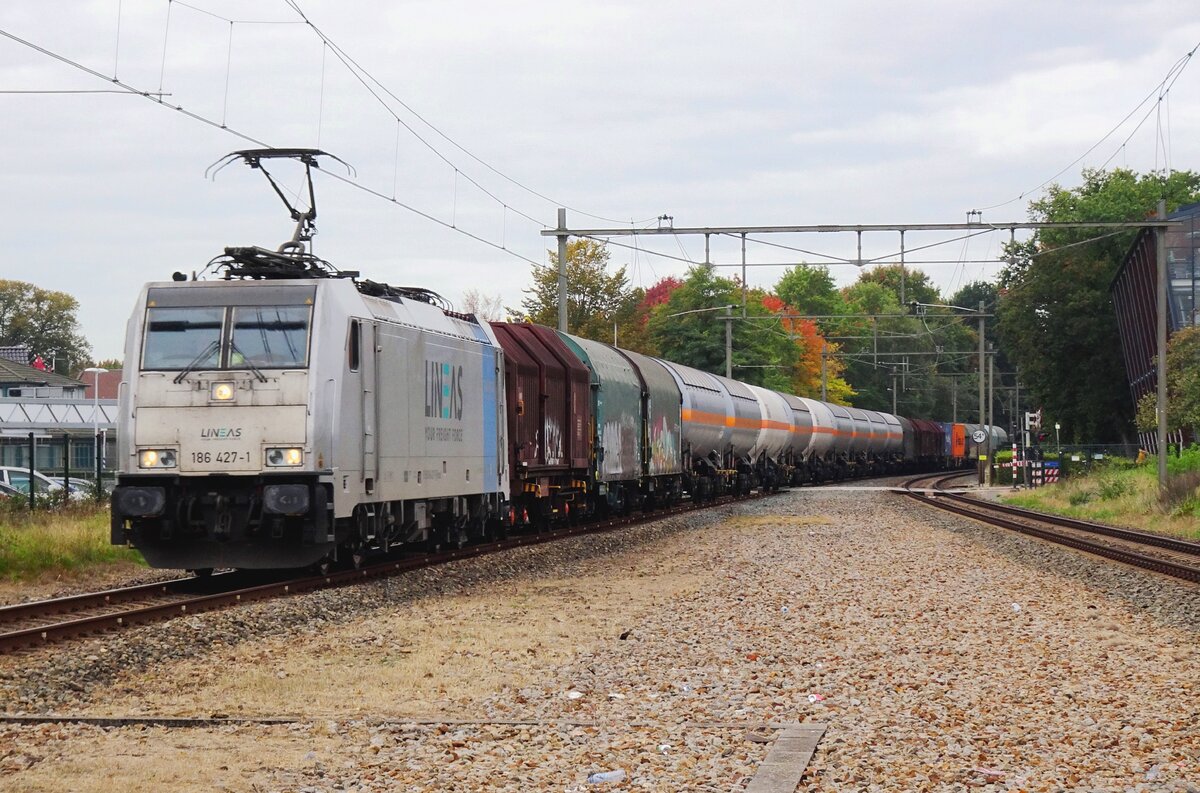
x,y
780,772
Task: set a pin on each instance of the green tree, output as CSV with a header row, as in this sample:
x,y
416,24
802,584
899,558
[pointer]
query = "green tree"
x,y
595,298
974,293
810,290
111,364
44,320
912,284
925,357
1183,385
763,353
1056,318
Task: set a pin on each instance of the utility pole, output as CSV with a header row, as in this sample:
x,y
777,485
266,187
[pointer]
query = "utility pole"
x,y
1160,245
824,381
562,269
991,412
982,414
743,275
954,400
893,390
729,342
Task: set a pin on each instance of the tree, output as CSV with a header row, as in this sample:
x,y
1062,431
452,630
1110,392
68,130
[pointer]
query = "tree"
x,y
910,353
595,299
811,348
763,354
634,332
661,291
1183,385
1056,318
111,364
488,308
44,321
905,283
974,293
809,289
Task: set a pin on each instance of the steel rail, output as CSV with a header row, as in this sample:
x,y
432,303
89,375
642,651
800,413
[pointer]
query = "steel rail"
x,y
84,626
68,604
1132,535
979,511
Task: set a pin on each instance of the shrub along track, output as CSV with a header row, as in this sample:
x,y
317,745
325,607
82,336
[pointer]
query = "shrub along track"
x,y
1163,554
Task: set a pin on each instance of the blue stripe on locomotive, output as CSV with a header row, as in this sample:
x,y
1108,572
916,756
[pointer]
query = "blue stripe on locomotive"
x,y
490,471
489,376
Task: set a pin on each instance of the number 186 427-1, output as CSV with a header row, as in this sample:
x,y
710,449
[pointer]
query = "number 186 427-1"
x,y
220,457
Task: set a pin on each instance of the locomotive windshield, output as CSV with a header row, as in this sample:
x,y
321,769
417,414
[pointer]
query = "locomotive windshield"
x,y
181,337
227,328
268,336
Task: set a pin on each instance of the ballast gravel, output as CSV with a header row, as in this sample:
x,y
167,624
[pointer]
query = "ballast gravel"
x,y
942,654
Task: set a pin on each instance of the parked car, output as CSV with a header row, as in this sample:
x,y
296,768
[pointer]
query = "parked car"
x,y
8,491
18,478
86,487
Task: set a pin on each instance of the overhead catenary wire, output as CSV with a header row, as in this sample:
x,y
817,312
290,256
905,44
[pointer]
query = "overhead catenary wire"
x,y
157,99
358,68
366,80
1169,80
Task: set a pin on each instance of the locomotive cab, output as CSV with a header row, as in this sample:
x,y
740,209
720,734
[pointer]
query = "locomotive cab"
x,y
219,461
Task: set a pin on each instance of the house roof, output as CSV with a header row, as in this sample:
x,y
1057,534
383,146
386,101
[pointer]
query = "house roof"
x,y
110,383
13,373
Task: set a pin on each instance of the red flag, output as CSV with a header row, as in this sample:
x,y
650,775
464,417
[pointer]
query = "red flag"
x,y
39,363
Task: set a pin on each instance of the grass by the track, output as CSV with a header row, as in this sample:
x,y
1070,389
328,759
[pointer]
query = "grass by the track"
x,y
1127,495
54,541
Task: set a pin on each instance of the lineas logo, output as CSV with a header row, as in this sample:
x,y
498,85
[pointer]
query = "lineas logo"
x,y
443,390
220,433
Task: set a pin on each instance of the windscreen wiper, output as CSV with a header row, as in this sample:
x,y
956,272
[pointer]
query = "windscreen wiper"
x,y
262,378
212,347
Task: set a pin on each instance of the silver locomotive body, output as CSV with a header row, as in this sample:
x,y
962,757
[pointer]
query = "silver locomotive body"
x,y
276,423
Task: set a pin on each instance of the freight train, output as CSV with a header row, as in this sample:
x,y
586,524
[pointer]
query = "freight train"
x,y
285,414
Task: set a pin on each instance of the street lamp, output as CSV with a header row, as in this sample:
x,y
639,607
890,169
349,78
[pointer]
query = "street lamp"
x,y
1057,443
97,371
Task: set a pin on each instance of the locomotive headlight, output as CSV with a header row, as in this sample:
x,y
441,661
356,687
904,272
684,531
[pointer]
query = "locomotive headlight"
x,y
285,457
157,458
221,392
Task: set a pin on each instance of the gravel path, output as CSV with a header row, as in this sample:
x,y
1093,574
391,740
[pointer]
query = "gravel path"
x,y
943,655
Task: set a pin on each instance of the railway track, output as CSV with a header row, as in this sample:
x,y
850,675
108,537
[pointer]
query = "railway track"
x,y
1168,555
38,623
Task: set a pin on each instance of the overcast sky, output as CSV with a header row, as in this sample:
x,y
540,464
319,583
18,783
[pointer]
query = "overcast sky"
x,y
718,114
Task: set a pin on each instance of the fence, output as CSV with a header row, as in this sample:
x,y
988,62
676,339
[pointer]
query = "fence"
x,y
70,458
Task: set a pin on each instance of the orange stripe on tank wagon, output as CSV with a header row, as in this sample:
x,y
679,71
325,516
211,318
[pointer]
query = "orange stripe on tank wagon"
x,y
721,420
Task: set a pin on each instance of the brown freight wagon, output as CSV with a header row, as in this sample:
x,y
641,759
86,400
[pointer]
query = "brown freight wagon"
x,y
548,391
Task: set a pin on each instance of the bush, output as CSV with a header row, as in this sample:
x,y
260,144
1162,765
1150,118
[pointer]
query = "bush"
x,y
1080,497
1186,462
1112,487
1182,495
